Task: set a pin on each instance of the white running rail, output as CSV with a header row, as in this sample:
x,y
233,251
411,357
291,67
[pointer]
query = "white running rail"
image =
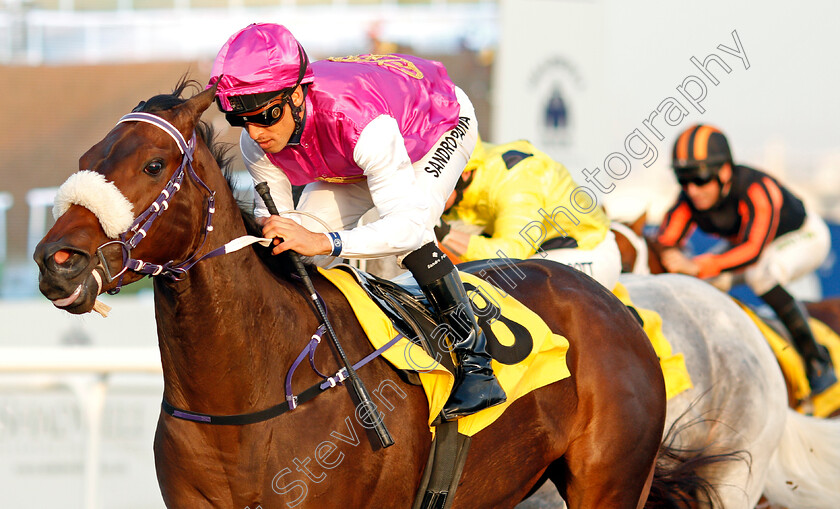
x,y
101,363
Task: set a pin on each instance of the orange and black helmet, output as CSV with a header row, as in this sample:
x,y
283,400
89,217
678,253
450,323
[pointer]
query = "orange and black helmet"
x,y
699,153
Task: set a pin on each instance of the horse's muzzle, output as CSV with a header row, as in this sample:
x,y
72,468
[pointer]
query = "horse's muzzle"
x,y
65,277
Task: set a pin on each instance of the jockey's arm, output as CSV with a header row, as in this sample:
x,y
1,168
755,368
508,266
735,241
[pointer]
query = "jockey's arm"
x,y
531,188
676,228
759,217
404,211
516,205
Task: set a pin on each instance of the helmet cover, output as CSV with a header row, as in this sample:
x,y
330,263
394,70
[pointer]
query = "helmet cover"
x,y
255,65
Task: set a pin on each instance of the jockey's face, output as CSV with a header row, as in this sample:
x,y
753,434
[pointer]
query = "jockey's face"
x,y
705,196
273,139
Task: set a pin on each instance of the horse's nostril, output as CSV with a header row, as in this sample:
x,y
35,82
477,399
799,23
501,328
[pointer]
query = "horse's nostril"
x,y
61,256
62,260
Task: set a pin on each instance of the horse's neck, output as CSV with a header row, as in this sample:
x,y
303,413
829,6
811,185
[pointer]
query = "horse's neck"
x,y
654,256
224,326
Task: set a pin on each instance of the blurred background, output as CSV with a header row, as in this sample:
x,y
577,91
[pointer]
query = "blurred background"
x,y
602,85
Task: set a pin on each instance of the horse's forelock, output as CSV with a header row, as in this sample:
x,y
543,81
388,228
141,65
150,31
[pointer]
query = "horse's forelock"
x,y
162,102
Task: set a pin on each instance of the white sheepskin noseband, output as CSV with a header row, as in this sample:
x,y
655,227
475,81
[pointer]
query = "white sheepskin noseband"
x,y
90,190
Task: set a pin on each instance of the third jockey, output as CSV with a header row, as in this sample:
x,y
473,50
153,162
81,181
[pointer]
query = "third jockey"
x,y
774,238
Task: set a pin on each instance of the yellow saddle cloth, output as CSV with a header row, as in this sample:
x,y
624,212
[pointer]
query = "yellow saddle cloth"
x,y
674,370
544,363
793,368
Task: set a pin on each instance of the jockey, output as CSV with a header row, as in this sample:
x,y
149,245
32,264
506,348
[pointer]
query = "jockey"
x,y
514,201
384,131
773,237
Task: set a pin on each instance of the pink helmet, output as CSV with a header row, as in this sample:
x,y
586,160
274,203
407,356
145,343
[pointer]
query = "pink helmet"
x,y
255,64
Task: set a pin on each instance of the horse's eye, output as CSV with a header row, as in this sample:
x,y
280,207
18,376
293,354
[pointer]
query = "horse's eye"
x,y
154,168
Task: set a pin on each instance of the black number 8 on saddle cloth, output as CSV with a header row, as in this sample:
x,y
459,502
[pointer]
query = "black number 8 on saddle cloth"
x,y
526,354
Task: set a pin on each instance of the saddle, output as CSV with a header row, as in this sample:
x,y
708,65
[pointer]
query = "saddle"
x,y
792,365
410,312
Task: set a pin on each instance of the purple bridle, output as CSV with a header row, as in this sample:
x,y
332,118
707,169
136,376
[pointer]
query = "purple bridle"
x,y
129,240
139,228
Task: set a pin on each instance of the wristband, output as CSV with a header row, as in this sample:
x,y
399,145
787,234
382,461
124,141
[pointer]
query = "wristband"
x,y
335,240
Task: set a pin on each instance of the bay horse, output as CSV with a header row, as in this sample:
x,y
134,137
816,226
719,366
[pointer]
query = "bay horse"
x,y
229,327
803,465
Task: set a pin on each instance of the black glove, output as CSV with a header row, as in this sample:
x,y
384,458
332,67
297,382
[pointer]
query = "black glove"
x,y
442,230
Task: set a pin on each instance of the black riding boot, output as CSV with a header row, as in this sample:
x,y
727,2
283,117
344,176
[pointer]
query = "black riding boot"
x,y
818,366
476,387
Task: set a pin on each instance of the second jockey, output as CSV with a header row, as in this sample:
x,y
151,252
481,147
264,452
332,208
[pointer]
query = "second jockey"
x,y
515,201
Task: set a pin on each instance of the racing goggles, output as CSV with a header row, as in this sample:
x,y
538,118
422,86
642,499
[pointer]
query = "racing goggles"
x,y
697,174
697,180
269,115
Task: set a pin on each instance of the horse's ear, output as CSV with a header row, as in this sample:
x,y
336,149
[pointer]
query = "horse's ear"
x,y
190,111
203,100
638,225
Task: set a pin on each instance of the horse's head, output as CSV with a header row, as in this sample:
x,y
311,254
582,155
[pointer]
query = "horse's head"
x,y
128,178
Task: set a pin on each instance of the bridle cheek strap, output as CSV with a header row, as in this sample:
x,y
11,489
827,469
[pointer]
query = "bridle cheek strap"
x,y
138,230
130,238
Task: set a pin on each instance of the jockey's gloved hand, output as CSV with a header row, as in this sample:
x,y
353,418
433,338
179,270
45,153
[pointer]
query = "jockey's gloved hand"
x,y
442,230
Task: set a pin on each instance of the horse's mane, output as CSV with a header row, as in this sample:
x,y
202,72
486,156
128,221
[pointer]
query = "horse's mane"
x,y
204,130
279,265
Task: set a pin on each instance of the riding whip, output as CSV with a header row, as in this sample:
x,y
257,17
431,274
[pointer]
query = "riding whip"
x,y
358,386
